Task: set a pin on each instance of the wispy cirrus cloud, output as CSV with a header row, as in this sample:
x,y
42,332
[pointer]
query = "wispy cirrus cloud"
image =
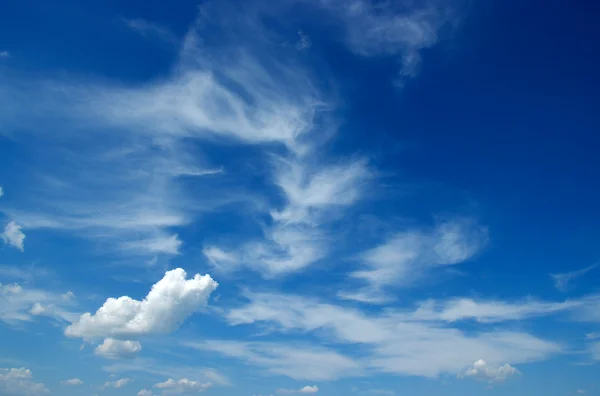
x,y
151,29
392,342
407,256
562,281
396,29
23,304
301,362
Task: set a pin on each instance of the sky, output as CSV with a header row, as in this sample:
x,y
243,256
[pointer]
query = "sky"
x,y
330,197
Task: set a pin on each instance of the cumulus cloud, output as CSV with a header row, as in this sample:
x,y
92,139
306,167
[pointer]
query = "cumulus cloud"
x,y
20,382
562,281
120,383
305,389
406,256
13,235
145,392
483,371
117,349
19,304
301,362
170,301
184,385
72,382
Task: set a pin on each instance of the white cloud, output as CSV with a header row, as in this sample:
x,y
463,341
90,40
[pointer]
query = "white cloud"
x,y
392,342
592,336
170,301
407,256
298,236
184,385
166,244
562,281
488,311
305,389
162,369
1,192
72,382
18,304
120,383
13,235
483,371
392,29
19,382
117,349
299,362
145,392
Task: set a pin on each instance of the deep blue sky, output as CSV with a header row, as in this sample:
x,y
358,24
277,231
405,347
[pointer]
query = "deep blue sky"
x,y
394,197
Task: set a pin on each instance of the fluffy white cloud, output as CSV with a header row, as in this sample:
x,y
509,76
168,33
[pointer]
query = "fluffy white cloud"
x,y
299,362
305,389
120,383
184,385
407,256
13,235
116,349
391,342
18,304
19,382
483,371
72,382
170,301
145,392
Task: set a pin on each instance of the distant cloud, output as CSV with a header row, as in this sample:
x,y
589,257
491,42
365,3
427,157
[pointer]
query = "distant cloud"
x,y
1,192
303,42
483,371
151,29
145,392
170,301
306,389
301,362
72,382
4,54
182,386
117,349
120,383
20,382
21,304
562,281
13,235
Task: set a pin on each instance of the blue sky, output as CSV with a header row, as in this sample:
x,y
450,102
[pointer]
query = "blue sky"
x,y
299,197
